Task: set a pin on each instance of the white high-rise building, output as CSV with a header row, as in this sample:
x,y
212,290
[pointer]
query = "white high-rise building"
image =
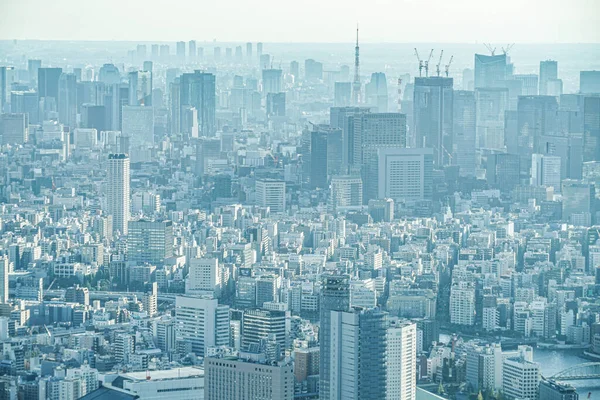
x,y
4,279
520,378
271,193
402,361
202,321
405,174
346,192
545,171
118,191
462,304
204,277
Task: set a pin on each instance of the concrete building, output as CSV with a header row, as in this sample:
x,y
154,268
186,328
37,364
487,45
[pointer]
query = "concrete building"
x,y
405,174
202,321
149,241
520,378
401,361
462,304
271,193
346,192
118,194
204,277
14,128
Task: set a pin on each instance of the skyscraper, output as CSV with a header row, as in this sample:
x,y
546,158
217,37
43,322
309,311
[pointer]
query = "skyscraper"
x,y
376,92
140,88
464,130
589,82
118,193
491,106
192,50
271,193
14,128
149,241
433,112
335,296
548,72
67,100
202,321
405,174
342,94
325,154
249,52
138,124
401,360
490,71
271,81
591,128
346,192
260,325
520,378
181,52
197,90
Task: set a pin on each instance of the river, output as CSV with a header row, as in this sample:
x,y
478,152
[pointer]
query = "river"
x,y
553,361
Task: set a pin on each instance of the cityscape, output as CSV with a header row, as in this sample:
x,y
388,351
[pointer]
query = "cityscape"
x,y
278,220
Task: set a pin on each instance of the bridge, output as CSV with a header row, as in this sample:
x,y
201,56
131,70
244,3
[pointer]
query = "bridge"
x,y
589,370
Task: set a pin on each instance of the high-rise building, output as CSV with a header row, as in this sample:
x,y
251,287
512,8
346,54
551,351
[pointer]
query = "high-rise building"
x,y
25,102
528,84
202,322
490,71
578,202
48,82
140,88
548,72
462,304
405,174
433,112
358,367
260,325
271,193
537,117
503,171
342,94
346,192
150,299
180,52
149,241
271,81
313,70
138,124
166,334
589,82
376,94
249,52
197,90
545,171
204,277
118,192
491,106
276,104
464,131
232,378
78,294
591,128
552,390
325,154
343,118
4,279
401,361
192,53
14,128
67,100
520,378
335,296
295,70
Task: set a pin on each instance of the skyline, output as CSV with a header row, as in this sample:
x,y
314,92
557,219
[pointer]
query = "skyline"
x,y
335,20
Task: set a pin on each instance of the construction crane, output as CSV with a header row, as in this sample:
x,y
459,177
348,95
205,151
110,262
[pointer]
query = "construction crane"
x,y
426,65
420,61
507,49
437,66
491,49
447,66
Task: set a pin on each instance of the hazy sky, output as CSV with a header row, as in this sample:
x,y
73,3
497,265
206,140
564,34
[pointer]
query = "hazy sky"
x,y
463,21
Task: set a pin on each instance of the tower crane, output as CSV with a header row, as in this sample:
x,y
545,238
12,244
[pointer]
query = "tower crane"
x,y
447,66
437,66
420,61
491,49
507,49
427,63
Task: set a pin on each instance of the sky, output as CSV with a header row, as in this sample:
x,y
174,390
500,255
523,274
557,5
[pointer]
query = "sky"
x,y
326,21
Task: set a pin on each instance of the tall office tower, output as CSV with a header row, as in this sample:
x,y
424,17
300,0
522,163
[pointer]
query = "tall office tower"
x,y
325,154
464,130
138,124
433,109
166,334
78,294
381,210
48,88
342,94
149,241
5,86
249,52
202,321
175,108
591,128
150,299
32,69
529,84
217,54
271,193
548,71
405,174
147,66
4,279
192,52
140,88
265,61
228,54
198,90
141,51
343,118
239,56
165,52
490,117
118,193
154,52
537,117
376,94
67,100
260,325
271,81
180,52
206,149
276,104
578,207
14,128
552,390
295,70
545,171
200,53
259,50
109,74
503,171
346,192
356,85
94,117
358,355
374,131
232,378
25,102
589,82
462,304
335,296
520,378
490,71
313,70
401,360
204,277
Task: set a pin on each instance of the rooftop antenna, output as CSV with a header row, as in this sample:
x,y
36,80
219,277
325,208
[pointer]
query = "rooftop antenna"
x,y
437,66
420,61
356,84
427,63
491,49
447,67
